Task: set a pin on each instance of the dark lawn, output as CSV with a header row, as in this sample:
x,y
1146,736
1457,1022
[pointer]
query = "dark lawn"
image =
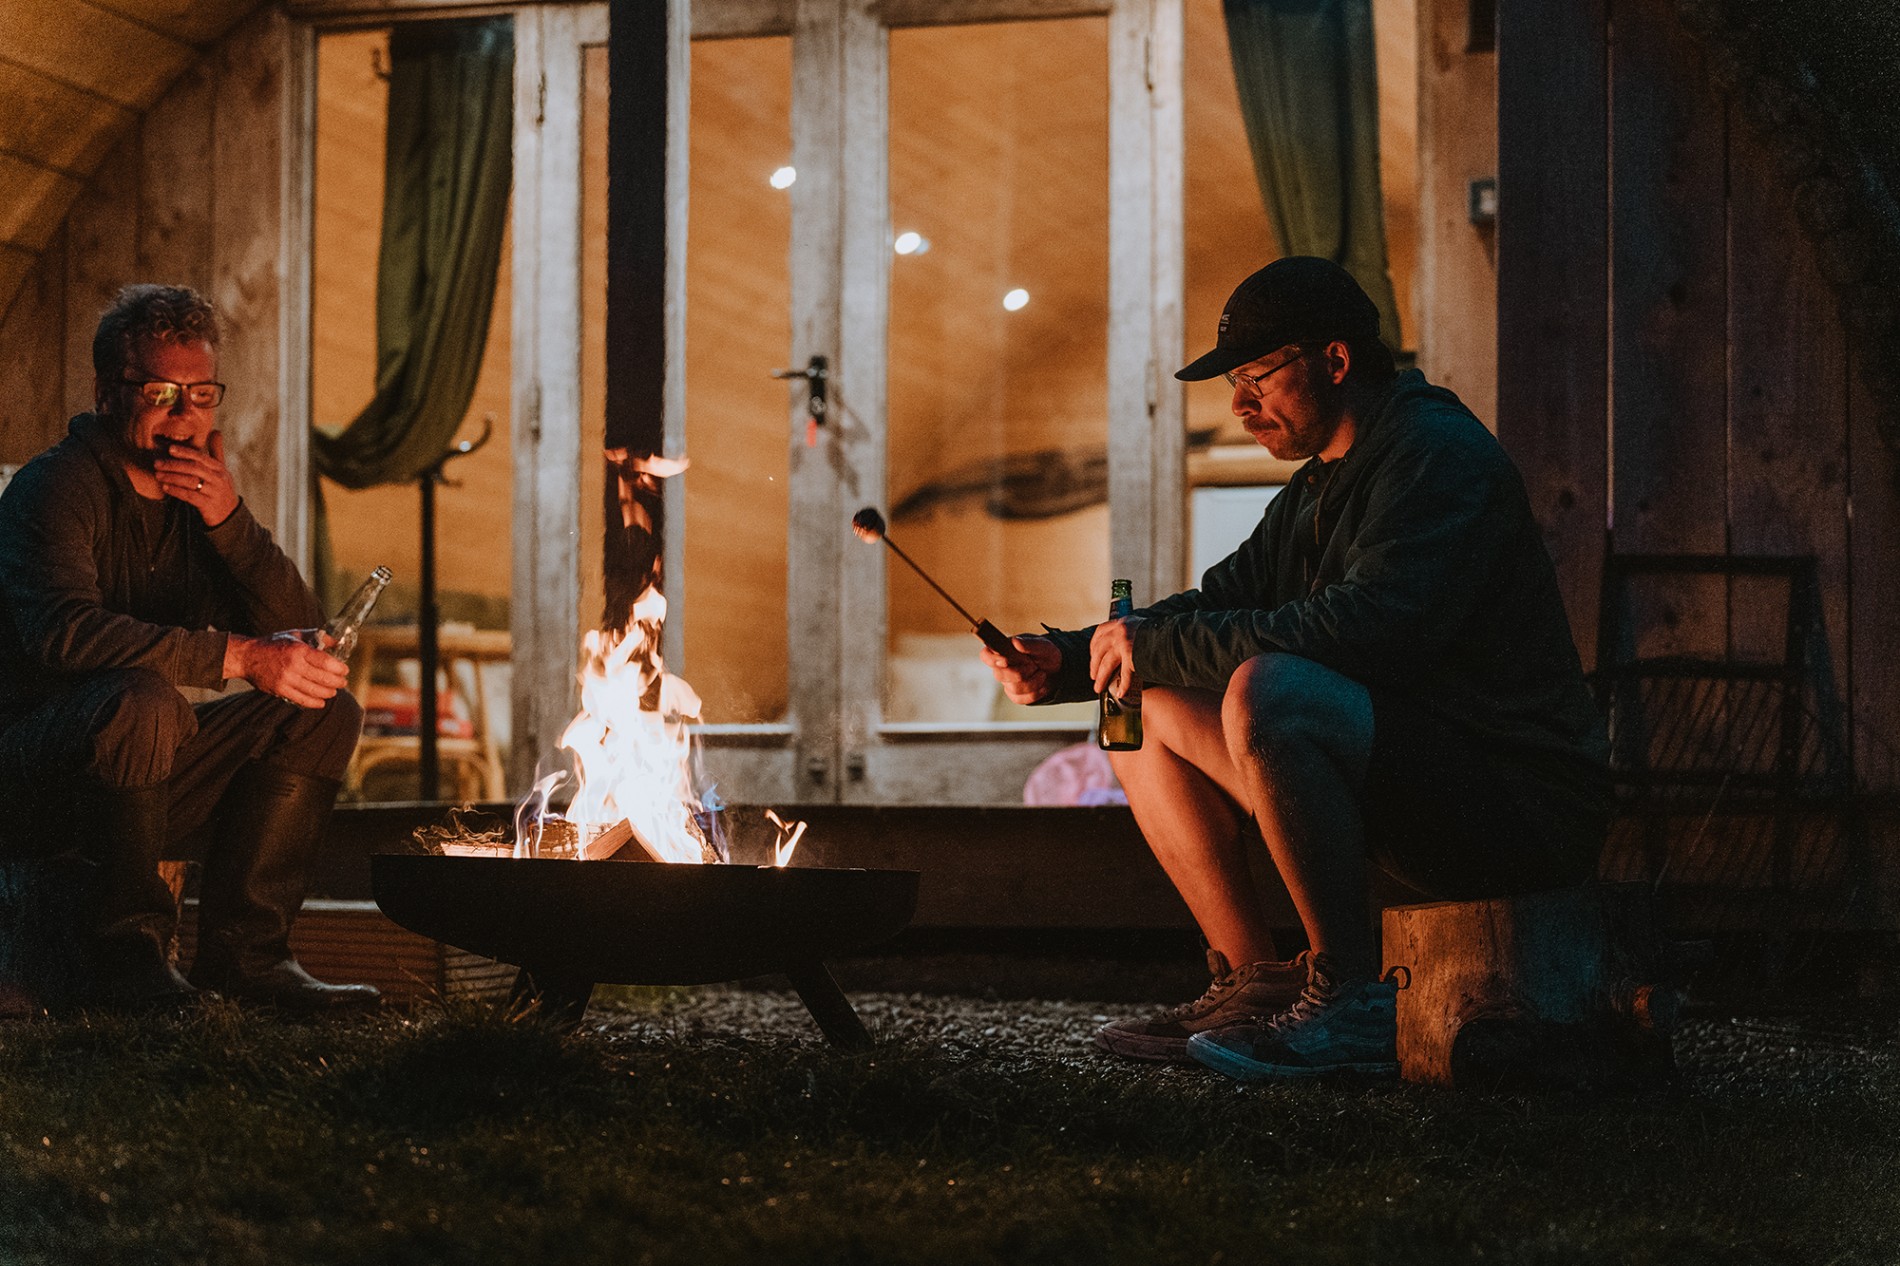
x,y
710,1127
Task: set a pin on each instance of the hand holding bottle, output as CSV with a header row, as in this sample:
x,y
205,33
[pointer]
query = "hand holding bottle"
x,y
287,665
1112,656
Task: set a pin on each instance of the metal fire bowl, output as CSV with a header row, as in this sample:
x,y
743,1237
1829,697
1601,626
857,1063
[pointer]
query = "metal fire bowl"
x,y
642,923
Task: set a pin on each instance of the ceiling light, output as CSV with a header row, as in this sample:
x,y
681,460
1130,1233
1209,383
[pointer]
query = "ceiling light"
x,y
1016,300
911,243
783,177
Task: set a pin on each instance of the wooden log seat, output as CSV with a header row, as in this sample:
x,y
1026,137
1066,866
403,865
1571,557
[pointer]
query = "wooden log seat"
x,y
43,960
1565,988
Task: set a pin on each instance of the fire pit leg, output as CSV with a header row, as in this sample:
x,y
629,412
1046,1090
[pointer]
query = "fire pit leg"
x,y
558,1000
828,1005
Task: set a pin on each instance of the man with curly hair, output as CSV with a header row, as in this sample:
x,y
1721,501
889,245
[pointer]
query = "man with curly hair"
x,y
130,567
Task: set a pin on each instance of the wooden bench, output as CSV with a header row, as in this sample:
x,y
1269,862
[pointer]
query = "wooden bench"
x,y
1567,988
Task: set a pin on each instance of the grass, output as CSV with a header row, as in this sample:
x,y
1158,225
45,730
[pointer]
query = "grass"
x,y
455,1138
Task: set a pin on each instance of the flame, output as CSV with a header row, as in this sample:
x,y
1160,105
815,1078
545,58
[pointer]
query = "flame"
x,y
532,814
789,833
633,752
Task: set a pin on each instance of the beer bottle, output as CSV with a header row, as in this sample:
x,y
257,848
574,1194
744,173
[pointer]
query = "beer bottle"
x,y
343,630
1118,724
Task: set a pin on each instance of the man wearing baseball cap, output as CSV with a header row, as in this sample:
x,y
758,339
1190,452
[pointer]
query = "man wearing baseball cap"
x,y
1382,674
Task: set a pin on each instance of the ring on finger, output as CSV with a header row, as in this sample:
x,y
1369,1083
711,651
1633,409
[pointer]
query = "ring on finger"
x,y
201,484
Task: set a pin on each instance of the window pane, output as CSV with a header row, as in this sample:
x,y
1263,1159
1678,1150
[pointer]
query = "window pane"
x,y
382,525
1228,237
738,329
997,413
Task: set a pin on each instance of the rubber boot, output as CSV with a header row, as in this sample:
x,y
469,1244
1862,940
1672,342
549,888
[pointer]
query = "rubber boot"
x,y
134,914
270,822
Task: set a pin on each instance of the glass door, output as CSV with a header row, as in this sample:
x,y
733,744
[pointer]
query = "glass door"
x,y
1010,282
962,230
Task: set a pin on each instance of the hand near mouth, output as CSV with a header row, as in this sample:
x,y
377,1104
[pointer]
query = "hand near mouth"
x,y
199,478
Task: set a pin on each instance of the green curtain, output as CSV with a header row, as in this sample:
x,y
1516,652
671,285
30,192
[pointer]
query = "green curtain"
x,y
1309,95
445,204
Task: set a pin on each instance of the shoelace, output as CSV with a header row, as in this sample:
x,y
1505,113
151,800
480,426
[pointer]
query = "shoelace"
x,y
1312,1000
1215,988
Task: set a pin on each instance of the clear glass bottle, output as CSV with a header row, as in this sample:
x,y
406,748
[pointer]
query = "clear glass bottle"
x,y
343,630
1118,723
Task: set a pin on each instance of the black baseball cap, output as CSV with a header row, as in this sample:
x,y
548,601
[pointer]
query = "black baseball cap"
x,y
1299,299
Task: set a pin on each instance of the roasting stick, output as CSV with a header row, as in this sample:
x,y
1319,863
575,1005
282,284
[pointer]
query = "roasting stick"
x,y
868,525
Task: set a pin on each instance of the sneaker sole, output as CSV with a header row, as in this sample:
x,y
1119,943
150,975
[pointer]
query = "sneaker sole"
x,y
1146,1050
1241,1068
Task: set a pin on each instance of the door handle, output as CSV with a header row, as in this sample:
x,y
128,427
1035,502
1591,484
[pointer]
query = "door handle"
x,y
816,374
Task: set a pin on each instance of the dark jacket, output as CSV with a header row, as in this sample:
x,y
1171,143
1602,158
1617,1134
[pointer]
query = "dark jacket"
x,y
1412,565
94,577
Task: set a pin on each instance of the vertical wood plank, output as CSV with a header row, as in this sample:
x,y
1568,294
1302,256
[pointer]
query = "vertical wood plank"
x,y
296,252
1457,143
856,184
33,410
1668,317
1166,420
1873,669
1134,374
175,185
1788,403
247,223
101,242
817,594
679,113
546,362
1553,280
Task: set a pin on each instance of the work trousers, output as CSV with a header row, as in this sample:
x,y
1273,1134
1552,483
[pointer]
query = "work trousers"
x,y
131,728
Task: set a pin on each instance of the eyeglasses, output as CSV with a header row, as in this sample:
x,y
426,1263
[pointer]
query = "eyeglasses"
x,y
157,393
1235,378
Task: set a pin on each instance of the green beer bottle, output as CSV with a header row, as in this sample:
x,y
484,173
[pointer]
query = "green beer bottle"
x,y
1118,725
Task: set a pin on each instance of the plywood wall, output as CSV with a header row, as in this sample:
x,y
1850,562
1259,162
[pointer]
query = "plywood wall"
x,y
1673,370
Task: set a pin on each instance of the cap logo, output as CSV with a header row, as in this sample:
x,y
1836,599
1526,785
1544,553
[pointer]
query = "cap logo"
x,y
1226,319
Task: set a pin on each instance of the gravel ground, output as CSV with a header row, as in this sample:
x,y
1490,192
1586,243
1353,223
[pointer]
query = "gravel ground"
x,y
1801,1056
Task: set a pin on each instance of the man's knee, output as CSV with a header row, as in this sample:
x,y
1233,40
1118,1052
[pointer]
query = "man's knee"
x,y
327,739
140,724
1278,698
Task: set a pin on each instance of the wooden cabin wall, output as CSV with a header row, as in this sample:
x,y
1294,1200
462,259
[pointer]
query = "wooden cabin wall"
x,y
1673,372
1456,299
192,195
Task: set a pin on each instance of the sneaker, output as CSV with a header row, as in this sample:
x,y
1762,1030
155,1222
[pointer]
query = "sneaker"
x,y
1234,994
1335,1026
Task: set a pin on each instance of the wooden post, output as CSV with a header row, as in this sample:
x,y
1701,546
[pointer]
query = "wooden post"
x,y
44,965
1560,988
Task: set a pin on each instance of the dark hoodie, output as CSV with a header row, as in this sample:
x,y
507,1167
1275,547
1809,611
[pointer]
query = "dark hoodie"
x,y
95,577
1412,565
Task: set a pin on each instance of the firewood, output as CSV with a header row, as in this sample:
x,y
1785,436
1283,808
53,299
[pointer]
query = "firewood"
x,y
1551,989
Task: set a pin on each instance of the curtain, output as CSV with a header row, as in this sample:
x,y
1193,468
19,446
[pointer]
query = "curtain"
x,y
1309,96
445,204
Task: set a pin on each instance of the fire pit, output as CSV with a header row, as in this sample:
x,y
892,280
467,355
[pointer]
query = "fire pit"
x,y
570,925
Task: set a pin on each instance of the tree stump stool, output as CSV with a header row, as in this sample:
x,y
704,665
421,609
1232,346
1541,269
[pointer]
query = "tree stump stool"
x,y
44,965
1565,988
